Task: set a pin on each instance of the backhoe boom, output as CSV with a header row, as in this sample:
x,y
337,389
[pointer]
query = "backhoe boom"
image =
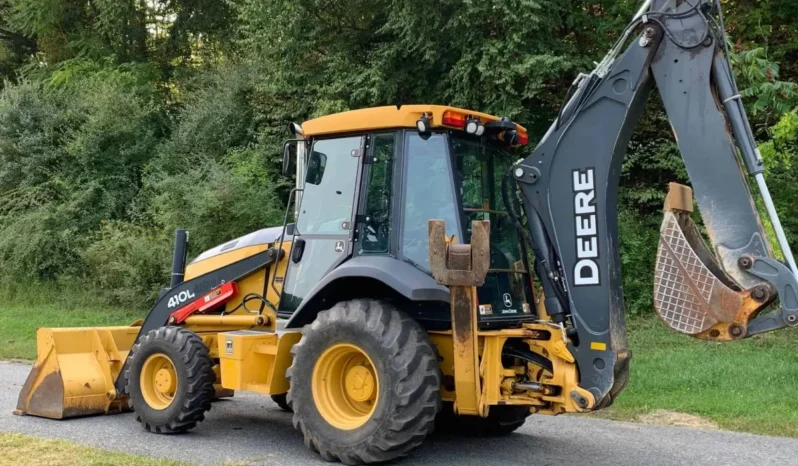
x,y
569,187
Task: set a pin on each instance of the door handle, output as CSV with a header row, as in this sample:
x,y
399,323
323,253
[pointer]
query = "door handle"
x,y
299,249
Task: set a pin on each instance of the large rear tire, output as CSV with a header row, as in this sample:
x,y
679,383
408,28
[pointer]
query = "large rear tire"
x,y
281,400
502,420
170,380
365,383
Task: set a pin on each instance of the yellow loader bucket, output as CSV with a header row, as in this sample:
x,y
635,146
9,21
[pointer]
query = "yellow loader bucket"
x,y
75,371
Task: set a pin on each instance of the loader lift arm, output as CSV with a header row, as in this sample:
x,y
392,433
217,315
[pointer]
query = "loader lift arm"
x,y
569,186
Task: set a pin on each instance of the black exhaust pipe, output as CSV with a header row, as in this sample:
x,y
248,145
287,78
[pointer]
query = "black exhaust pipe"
x,y
179,258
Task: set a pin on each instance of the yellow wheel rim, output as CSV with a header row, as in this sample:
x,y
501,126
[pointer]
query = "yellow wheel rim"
x,y
158,381
345,386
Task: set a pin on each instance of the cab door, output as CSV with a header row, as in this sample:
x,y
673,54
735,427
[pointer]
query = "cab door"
x,y
324,227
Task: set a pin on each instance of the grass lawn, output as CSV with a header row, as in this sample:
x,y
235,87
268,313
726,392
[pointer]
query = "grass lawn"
x,y
750,385
23,450
18,323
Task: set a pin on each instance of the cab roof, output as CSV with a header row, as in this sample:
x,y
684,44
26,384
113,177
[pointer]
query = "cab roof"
x,y
376,118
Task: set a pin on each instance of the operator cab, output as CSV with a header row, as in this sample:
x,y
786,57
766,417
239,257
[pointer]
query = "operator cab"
x,y
371,180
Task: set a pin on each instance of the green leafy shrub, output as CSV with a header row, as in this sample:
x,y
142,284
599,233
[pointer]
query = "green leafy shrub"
x,y
71,158
128,264
638,237
218,201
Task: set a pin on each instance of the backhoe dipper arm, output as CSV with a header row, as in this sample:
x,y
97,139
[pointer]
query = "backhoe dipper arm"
x,y
569,188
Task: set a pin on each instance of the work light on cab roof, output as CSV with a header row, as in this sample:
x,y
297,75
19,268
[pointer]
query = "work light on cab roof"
x,y
424,118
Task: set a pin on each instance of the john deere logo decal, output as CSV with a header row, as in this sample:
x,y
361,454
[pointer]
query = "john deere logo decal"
x,y
586,270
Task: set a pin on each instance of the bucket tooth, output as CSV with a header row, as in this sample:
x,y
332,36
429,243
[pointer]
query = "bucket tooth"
x,y
692,294
75,371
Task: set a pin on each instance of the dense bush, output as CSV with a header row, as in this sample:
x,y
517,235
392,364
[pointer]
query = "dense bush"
x,y
128,264
72,157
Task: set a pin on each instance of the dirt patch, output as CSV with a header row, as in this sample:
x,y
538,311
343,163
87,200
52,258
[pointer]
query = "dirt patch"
x,y
673,418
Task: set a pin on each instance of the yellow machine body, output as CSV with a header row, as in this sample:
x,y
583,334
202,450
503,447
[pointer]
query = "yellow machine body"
x,y
256,360
496,381
259,282
76,368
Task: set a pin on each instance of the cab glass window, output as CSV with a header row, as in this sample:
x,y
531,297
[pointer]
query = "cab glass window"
x,y
328,196
376,227
429,195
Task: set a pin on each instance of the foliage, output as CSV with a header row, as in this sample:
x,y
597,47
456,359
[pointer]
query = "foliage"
x,y
780,154
221,201
639,237
72,157
504,57
768,94
128,263
121,121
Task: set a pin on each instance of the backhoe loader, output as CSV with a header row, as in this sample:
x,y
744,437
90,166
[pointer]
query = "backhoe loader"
x,y
437,273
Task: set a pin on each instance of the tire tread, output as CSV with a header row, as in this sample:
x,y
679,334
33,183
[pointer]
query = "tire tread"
x,y
196,358
416,377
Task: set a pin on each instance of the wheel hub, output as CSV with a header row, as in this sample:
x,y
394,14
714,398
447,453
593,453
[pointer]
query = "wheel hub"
x,y
164,381
345,386
359,383
158,381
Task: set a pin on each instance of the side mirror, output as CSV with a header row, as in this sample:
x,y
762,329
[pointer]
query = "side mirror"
x,y
289,157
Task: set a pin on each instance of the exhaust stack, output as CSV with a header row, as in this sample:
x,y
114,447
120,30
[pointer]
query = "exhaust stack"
x,y
179,257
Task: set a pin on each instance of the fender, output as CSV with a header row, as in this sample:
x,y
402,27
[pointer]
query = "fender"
x,y
400,276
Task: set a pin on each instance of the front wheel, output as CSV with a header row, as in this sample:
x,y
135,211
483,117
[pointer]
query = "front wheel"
x,y
170,380
365,383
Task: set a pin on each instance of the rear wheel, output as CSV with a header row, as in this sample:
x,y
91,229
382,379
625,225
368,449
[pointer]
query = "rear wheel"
x,y
365,383
501,420
170,380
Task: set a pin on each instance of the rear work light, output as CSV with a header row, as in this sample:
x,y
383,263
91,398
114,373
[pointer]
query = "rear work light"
x,y
455,119
474,126
423,124
523,137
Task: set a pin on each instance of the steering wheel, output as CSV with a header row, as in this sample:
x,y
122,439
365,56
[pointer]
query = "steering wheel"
x,y
378,229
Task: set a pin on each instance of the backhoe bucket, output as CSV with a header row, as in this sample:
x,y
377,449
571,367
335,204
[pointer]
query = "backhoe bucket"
x,y
75,371
692,293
